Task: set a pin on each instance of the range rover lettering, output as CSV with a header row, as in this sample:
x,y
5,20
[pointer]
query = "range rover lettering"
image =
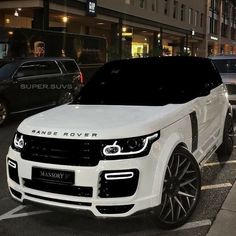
x,y
135,139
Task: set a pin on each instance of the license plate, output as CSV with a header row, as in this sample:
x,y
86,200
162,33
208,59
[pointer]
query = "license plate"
x,y
55,176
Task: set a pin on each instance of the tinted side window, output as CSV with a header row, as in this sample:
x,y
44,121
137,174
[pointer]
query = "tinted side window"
x,y
37,68
225,65
7,69
213,76
28,69
48,67
150,81
70,66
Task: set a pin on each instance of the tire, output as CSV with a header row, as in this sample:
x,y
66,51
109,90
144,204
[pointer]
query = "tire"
x,y
3,112
65,98
226,148
181,189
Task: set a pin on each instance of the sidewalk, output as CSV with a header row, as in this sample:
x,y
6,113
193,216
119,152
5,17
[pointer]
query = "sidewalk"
x,y
225,222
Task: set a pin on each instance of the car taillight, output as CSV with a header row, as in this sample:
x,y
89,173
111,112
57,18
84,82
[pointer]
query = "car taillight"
x,y
81,78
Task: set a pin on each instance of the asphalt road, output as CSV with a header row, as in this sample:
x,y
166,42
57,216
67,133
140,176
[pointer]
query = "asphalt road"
x,y
217,180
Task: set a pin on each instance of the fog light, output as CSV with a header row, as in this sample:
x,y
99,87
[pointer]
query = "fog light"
x,y
13,170
119,175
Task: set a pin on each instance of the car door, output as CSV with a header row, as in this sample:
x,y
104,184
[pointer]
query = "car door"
x,y
72,79
211,110
48,83
24,87
9,88
42,82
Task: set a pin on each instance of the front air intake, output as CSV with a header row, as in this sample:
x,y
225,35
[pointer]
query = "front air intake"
x,y
13,170
118,183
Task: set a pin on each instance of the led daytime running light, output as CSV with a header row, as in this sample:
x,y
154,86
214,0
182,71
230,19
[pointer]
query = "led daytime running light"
x,y
116,150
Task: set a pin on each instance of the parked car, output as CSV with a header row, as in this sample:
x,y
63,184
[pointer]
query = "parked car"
x,y
226,64
33,83
135,139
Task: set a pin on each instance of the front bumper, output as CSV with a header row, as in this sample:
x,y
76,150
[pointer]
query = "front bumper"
x,y
146,193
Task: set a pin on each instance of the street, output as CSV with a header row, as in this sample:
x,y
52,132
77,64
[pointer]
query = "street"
x,y
217,180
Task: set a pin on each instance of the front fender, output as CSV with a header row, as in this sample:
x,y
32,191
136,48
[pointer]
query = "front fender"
x,y
166,150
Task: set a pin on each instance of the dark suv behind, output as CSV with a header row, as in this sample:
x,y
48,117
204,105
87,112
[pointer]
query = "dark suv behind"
x,y
33,83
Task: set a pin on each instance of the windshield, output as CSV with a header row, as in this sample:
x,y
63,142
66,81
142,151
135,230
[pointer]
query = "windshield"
x,y
148,82
226,65
6,69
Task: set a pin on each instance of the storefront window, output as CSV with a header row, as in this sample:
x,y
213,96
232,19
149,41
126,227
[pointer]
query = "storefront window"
x,y
140,49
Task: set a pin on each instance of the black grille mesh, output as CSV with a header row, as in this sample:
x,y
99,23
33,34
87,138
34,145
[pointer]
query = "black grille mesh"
x,y
62,151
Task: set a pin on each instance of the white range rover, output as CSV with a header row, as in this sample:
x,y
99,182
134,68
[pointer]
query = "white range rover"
x,y
135,139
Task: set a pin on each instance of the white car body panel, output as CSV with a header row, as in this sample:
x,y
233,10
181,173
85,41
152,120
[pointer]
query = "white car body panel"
x,y
108,122
115,122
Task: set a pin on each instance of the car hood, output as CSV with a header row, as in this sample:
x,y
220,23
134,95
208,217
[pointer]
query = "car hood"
x,y
229,78
102,121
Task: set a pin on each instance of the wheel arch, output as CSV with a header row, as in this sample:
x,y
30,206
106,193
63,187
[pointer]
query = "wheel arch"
x,y
6,101
175,140
227,110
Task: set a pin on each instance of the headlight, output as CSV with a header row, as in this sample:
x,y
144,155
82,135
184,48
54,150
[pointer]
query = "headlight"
x,y
130,147
18,142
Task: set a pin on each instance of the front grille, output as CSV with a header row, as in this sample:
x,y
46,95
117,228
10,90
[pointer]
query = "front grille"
x,y
119,185
59,188
231,88
62,151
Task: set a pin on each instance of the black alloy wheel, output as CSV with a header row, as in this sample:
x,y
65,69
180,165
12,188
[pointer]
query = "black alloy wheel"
x,y
181,189
226,148
3,112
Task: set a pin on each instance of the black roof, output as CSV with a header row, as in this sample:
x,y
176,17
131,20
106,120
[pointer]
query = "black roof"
x,y
162,58
28,59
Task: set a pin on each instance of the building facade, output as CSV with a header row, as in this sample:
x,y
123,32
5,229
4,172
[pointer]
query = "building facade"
x,y
134,28
221,27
